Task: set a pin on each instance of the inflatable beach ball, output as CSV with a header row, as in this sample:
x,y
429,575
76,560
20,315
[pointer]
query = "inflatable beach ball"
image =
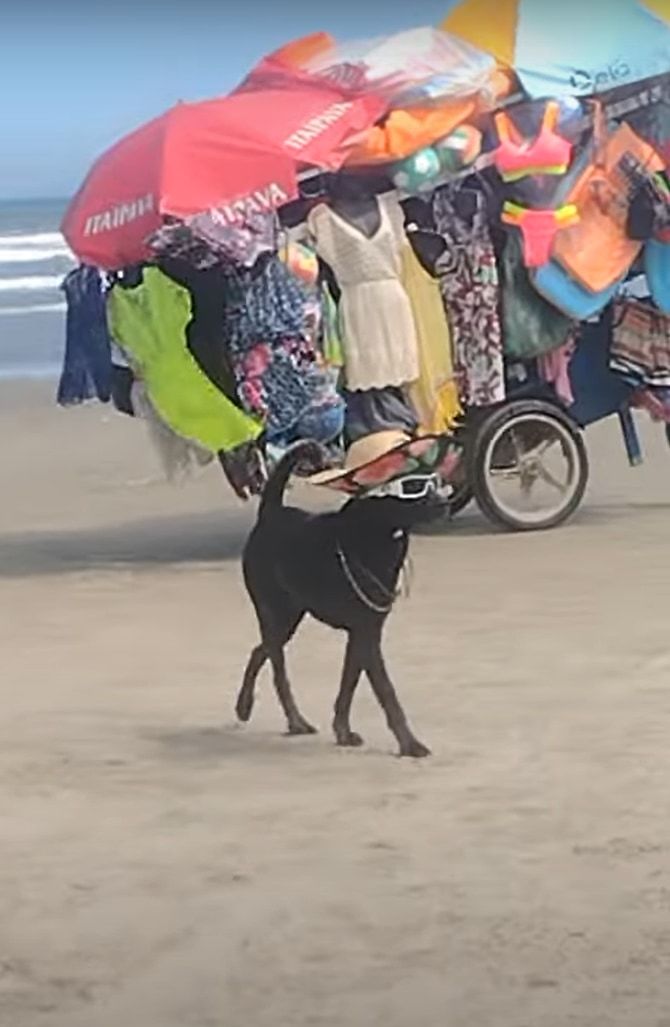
x,y
416,174
460,148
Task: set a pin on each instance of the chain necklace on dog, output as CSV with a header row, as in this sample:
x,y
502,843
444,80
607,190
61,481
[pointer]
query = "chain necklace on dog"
x,y
358,590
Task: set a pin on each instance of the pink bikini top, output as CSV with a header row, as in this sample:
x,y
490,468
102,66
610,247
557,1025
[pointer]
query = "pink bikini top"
x,y
548,154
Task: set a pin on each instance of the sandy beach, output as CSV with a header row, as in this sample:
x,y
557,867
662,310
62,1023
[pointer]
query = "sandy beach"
x,y
162,867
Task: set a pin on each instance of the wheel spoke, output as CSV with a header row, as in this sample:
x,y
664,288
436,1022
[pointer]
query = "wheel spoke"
x,y
505,473
527,482
550,479
516,446
542,448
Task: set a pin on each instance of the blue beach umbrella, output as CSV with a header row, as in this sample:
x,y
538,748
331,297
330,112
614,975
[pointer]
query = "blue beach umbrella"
x,y
569,47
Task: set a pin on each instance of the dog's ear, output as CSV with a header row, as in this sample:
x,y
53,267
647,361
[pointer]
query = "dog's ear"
x,y
313,458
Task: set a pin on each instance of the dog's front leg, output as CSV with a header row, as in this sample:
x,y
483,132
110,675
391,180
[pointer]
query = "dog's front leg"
x,y
351,672
383,688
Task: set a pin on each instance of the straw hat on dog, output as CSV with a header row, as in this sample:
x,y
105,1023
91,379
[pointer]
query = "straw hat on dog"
x,y
384,456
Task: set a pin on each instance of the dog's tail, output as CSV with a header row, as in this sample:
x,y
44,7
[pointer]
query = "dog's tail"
x,y
302,453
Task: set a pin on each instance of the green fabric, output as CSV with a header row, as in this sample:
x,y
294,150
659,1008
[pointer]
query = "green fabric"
x,y
531,326
332,330
149,322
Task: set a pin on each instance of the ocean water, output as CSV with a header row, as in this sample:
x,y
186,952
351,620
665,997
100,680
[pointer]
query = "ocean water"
x,y
34,259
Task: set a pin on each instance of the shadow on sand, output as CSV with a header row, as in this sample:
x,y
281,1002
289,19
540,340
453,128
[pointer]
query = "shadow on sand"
x,y
158,540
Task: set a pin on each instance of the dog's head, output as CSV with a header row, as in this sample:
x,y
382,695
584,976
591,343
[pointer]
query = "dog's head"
x,y
402,504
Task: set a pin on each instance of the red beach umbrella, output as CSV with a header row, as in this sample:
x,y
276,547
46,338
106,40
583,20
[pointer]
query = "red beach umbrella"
x,y
237,154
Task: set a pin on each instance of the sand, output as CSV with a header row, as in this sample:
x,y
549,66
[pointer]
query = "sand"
x,y
162,867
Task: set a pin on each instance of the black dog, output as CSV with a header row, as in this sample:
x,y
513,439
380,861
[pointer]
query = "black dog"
x,y
343,569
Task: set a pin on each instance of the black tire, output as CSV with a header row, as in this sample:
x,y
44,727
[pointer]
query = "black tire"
x,y
489,435
461,498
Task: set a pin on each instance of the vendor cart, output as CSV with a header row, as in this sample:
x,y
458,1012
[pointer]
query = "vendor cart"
x,y
525,461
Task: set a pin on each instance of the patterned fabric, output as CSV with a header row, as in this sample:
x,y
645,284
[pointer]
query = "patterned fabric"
x,y
266,331
271,384
207,240
178,242
301,260
264,303
426,455
323,420
240,244
470,289
640,350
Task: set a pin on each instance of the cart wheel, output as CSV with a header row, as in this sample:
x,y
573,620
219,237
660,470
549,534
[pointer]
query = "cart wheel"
x,y
530,467
462,495
461,498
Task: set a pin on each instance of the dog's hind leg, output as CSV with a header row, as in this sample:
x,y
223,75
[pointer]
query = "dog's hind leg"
x,y
245,698
385,693
274,632
351,673
296,723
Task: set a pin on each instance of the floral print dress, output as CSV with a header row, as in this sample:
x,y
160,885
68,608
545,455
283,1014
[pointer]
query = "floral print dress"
x,y
274,361
265,333
468,274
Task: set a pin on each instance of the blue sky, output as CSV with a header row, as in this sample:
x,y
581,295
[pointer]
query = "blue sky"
x,y
75,76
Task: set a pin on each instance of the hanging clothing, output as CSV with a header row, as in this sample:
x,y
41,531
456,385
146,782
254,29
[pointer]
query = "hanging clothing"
x,y
204,333
554,367
640,350
596,251
331,328
262,303
122,381
470,289
379,337
177,455
531,325
122,384
208,240
149,322
272,384
377,410
323,419
435,393
265,329
301,260
176,241
87,364
240,243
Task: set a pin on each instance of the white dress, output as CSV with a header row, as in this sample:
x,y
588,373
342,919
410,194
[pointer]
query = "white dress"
x,y
379,335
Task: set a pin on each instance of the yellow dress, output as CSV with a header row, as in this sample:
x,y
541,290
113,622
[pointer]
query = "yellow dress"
x,y
435,393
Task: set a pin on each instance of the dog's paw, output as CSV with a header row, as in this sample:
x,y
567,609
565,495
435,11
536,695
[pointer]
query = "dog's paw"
x,y
300,726
244,706
415,749
348,739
